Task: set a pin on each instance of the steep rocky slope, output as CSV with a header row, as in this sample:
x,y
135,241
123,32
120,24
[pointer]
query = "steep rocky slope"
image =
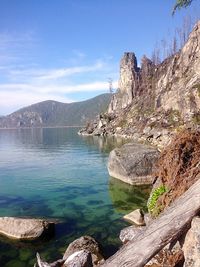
x,y
53,113
154,100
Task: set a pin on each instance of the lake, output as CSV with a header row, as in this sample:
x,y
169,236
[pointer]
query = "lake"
x,y
54,173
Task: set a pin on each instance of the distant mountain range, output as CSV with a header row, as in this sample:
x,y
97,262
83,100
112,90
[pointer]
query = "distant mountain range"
x,y
52,113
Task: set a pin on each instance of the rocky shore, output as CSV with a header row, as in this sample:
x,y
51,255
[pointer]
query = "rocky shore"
x,y
153,102
159,104
169,234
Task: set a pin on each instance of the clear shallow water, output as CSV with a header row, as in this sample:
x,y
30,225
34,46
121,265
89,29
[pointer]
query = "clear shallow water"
x,y
54,173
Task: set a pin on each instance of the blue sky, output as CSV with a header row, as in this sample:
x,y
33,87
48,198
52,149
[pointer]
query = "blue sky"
x,y
66,50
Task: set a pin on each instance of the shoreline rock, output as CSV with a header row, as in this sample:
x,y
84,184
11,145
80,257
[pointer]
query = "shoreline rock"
x,y
136,217
133,163
25,229
86,243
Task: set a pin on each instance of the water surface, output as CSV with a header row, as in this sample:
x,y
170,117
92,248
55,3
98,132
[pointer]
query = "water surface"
x,y
54,173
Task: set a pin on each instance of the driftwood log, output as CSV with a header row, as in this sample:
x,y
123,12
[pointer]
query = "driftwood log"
x,y
167,228
41,263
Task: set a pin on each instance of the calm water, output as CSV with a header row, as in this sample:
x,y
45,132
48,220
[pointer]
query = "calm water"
x,y
54,173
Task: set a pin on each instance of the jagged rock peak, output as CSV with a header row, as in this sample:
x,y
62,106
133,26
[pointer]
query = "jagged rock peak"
x,y
129,59
147,66
145,60
129,77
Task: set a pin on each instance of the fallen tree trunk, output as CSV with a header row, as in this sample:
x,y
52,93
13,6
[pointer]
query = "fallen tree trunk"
x,y
41,263
168,227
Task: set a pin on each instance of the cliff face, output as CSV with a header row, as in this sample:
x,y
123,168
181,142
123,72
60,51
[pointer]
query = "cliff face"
x,y
128,83
154,100
178,87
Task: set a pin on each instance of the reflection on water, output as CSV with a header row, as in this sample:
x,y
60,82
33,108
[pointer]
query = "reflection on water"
x,y
54,173
37,137
105,144
126,198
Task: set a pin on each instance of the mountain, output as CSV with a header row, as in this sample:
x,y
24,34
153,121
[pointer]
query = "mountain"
x,y
53,113
154,101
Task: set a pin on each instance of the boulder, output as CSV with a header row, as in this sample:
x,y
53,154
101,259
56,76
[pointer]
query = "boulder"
x,y
80,258
136,217
85,243
133,163
25,229
191,246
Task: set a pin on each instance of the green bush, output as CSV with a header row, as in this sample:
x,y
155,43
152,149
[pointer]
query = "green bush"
x,y
151,205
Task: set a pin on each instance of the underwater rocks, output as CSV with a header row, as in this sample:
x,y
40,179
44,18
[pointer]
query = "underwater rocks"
x,y
25,229
133,163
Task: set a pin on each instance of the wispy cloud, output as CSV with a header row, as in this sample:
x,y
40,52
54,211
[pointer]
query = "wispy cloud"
x,y
53,74
25,81
60,73
59,89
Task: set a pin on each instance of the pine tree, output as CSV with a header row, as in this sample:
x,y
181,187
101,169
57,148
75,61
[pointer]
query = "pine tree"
x,y
181,3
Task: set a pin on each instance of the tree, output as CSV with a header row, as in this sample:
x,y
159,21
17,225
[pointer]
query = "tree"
x,y
110,84
181,3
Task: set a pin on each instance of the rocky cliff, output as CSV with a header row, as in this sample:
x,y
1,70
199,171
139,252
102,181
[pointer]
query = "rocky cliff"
x,y
154,100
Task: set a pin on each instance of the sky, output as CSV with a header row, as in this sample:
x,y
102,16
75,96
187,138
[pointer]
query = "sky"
x,y
66,50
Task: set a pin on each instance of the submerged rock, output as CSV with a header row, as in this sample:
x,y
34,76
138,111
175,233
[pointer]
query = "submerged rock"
x,y
136,217
133,163
25,229
85,243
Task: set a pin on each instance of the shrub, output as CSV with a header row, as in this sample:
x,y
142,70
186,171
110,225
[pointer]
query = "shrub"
x,y
151,205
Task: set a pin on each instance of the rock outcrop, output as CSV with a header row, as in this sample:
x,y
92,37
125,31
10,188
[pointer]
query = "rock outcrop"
x,y
128,82
153,101
25,229
132,163
85,243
